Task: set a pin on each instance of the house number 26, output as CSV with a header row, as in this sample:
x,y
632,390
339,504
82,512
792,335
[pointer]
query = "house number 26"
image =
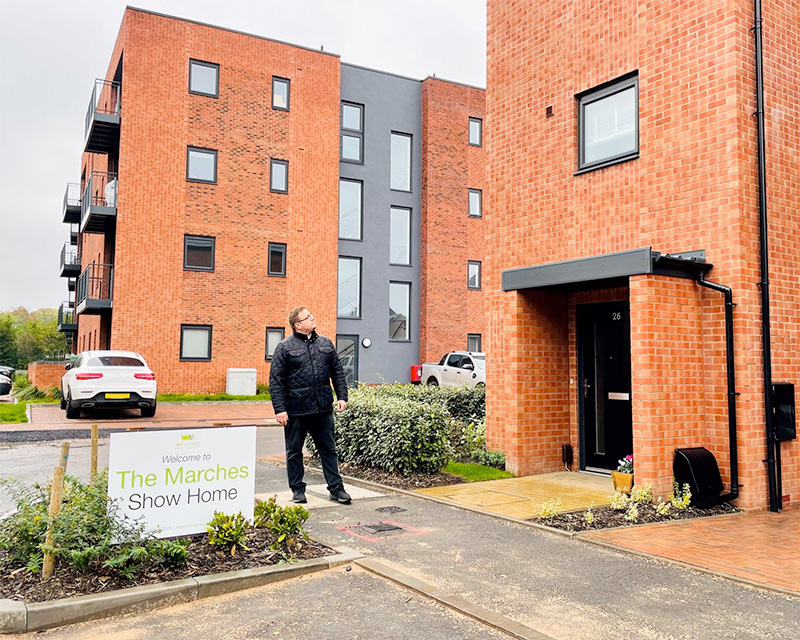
x,y
616,315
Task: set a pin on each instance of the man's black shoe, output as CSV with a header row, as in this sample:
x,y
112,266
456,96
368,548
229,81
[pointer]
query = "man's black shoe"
x,y
341,496
299,496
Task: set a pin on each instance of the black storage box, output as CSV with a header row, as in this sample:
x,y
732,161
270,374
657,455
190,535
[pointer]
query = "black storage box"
x,y
697,467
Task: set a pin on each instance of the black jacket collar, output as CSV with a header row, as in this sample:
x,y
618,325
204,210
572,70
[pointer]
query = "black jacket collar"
x,y
306,338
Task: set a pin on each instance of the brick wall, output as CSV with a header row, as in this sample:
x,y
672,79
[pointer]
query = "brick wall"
x,y
449,237
153,294
44,375
692,187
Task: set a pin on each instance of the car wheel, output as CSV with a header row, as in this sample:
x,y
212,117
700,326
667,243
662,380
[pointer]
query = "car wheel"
x,y
72,412
149,412
63,402
433,382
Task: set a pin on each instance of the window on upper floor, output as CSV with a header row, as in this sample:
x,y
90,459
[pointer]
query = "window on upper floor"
x,y
608,124
399,311
274,337
279,176
195,342
204,78
351,146
351,208
201,165
475,203
349,288
198,253
276,259
280,93
475,132
473,274
400,162
400,236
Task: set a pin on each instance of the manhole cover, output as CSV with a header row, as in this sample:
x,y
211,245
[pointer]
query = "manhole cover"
x,y
381,527
390,509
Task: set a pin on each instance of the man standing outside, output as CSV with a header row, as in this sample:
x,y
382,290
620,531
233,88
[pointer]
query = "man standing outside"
x,y
303,366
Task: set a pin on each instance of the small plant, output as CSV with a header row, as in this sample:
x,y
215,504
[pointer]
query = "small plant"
x,y
625,465
632,514
262,389
588,516
228,531
264,511
550,508
663,508
619,501
643,494
495,459
680,499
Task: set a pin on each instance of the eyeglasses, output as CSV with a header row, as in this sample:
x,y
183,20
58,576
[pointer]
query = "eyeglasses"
x,y
308,317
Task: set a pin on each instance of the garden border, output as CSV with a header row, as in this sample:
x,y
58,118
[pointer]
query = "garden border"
x,y
19,617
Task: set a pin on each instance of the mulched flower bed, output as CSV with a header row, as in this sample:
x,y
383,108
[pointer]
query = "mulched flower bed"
x,y
605,517
19,584
417,481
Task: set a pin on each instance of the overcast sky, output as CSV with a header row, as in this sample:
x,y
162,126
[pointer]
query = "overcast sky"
x,y
52,50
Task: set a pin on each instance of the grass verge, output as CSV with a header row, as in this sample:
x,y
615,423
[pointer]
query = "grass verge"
x,y
476,472
12,413
210,397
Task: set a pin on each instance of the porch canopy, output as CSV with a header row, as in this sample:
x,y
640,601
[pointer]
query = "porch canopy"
x,y
606,271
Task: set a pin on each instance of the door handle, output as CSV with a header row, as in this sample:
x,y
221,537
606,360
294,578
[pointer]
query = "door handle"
x,y
586,387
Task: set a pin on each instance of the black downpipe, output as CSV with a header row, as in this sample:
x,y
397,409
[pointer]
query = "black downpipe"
x,y
731,376
764,245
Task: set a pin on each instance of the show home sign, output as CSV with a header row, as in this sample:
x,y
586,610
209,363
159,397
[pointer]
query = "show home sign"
x,y
176,479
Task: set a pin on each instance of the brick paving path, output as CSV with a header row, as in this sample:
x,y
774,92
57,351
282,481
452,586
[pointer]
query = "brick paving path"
x,y
762,547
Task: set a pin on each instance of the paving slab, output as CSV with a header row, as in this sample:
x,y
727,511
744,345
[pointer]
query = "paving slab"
x,y
317,495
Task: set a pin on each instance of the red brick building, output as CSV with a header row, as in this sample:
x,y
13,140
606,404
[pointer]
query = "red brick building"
x,y
209,205
621,169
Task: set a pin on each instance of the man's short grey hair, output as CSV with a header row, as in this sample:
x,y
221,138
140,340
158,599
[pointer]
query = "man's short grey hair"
x,y
294,315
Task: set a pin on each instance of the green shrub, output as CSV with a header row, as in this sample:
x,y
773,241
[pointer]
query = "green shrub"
x,y
23,389
228,531
263,512
461,402
495,459
262,389
88,532
285,522
392,432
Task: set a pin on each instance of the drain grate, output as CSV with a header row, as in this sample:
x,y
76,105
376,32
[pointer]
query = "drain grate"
x,y
390,509
380,527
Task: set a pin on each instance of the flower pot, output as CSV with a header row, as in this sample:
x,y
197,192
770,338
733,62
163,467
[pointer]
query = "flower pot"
x,y
622,481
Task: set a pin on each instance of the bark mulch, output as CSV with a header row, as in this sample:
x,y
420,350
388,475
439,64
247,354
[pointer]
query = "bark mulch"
x,y
416,481
17,583
605,517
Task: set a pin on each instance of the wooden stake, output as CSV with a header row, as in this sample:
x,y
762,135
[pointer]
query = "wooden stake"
x,y
56,491
93,463
64,454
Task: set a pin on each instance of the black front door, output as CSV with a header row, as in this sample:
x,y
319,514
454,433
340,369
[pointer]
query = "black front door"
x,y
604,384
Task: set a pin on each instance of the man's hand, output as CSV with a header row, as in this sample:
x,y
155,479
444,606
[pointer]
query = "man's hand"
x,y
282,418
341,404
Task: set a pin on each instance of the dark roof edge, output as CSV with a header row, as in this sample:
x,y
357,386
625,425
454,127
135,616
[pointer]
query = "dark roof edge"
x,y
386,73
242,33
460,84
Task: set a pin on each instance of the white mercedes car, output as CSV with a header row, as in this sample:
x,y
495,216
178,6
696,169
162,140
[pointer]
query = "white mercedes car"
x,y
108,379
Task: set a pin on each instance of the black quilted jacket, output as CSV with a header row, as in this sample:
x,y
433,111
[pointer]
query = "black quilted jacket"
x,y
301,374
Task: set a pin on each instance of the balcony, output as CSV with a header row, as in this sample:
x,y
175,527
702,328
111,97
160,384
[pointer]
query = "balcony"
x,y
71,284
67,320
102,117
73,233
95,289
72,204
99,203
70,261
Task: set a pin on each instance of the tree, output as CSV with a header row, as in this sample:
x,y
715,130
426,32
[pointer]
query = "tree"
x,y
26,337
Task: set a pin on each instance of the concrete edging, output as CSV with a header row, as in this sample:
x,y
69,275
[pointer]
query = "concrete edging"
x,y
477,612
18,617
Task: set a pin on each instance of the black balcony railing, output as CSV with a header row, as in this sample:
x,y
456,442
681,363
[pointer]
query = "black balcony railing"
x,y
95,288
72,203
99,202
70,261
74,230
102,116
67,320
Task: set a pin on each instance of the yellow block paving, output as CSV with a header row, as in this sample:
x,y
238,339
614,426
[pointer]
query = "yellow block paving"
x,y
523,497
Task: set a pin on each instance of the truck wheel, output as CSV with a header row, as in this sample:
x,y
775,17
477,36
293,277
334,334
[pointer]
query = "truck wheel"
x,y
433,382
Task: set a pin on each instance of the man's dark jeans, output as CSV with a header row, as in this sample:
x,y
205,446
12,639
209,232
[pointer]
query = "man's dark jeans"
x,y
320,426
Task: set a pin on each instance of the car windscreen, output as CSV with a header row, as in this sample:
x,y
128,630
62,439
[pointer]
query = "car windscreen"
x,y
480,362
115,361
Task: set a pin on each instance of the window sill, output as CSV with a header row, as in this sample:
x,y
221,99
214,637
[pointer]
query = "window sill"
x,y
199,181
607,163
351,161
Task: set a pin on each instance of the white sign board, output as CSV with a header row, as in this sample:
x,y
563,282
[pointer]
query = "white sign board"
x,y
176,479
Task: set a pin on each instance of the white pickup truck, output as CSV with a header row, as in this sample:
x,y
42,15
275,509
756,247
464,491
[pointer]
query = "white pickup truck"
x,y
456,367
